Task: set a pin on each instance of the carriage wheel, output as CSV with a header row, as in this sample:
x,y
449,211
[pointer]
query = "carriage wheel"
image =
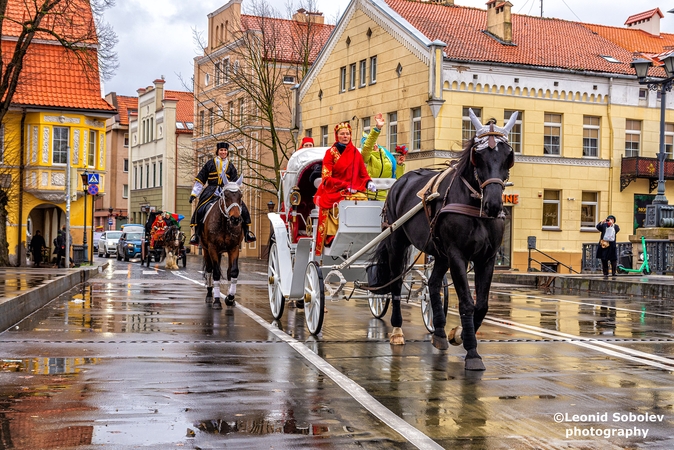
x,y
276,300
314,297
427,310
378,304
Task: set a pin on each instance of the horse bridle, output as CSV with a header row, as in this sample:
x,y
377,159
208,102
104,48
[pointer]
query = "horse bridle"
x,y
227,209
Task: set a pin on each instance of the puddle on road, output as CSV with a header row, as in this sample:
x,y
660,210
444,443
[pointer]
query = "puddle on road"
x,y
46,366
259,424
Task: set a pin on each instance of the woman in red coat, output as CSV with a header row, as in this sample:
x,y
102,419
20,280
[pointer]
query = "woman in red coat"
x,y
344,176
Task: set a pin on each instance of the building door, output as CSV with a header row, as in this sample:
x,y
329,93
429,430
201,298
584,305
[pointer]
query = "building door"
x,y
504,254
641,201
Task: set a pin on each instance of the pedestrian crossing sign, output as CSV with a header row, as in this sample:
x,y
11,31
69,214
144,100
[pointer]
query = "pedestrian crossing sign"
x,y
94,178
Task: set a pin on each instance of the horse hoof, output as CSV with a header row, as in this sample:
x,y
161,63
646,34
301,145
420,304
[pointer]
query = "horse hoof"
x,y
455,336
397,337
475,364
299,304
209,299
439,342
216,304
229,300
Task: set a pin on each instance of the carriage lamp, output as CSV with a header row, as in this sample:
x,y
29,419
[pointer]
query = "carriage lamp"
x,y
270,206
654,212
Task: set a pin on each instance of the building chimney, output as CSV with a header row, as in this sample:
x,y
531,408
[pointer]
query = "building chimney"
x,y
442,2
159,92
648,21
302,15
499,22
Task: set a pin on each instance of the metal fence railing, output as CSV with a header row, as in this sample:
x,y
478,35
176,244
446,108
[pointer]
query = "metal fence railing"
x,y
660,254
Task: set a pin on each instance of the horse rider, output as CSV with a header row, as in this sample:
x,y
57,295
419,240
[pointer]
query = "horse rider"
x,y
379,161
158,229
208,185
343,177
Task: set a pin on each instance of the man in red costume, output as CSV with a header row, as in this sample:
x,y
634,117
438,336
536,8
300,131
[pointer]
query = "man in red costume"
x,y
344,176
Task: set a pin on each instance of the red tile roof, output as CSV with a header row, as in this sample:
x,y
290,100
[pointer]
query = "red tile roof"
x,y
72,19
53,77
634,40
643,16
184,108
538,42
292,34
125,106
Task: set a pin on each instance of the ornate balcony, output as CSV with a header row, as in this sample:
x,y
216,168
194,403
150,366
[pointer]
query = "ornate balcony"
x,y
634,167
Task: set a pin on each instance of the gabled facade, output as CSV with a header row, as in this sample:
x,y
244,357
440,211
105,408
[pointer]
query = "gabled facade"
x,y
56,121
111,210
160,132
226,111
424,64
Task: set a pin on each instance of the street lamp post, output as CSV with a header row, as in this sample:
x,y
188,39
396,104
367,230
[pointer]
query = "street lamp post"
x,y
641,66
85,186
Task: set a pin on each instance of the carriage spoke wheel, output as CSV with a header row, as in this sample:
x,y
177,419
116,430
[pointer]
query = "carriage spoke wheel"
x,y
378,304
314,297
426,309
276,300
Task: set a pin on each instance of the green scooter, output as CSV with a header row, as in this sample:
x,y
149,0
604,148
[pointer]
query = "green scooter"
x,y
643,268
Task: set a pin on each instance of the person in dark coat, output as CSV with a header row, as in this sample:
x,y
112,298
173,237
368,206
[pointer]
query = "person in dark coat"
x,y
213,175
608,252
37,243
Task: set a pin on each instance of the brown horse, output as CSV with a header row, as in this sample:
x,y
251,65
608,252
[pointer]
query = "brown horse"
x,y
171,242
222,232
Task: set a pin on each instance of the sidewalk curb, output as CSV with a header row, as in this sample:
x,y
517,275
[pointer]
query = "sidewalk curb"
x,y
18,308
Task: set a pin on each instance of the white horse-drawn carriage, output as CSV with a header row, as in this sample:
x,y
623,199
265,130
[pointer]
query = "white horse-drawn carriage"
x,y
295,273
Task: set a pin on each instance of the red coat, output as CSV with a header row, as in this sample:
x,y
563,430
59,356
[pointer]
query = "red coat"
x,y
341,172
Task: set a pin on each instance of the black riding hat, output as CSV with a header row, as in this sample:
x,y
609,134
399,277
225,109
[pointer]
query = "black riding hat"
x,y
611,217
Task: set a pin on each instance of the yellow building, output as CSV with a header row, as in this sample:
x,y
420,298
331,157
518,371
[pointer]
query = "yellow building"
x,y
424,64
56,122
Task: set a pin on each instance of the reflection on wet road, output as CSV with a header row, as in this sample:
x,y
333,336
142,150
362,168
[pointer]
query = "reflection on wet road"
x,y
135,358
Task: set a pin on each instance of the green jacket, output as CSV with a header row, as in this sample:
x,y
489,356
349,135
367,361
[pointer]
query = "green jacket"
x,y
377,163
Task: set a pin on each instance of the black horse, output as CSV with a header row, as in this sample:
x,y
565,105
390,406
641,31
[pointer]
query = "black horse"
x,y
222,232
465,223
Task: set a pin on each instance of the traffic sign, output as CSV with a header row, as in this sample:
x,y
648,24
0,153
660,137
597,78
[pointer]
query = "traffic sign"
x,y
92,189
109,221
94,178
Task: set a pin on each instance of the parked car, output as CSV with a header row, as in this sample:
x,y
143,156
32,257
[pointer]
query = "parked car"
x,y
97,237
129,227
107,244
128,245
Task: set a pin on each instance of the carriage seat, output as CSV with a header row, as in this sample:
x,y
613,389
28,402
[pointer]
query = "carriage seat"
x,y
359,224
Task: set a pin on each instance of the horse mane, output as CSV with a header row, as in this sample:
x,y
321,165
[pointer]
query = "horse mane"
x,y
464,159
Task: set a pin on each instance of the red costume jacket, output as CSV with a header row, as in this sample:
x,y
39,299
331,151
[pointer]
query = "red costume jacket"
x,y
341,172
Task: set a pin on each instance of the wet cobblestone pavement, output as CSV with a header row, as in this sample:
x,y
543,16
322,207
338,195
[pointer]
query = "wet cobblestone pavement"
x,y
135,358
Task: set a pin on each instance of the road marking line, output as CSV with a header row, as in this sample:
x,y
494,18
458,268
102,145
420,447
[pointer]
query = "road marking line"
x,y
617,308
593,344
413,436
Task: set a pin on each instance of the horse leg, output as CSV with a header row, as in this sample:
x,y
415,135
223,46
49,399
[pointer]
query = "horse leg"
x,y
439,338
216,280
209,279
232,274
397,263
457,267
483,276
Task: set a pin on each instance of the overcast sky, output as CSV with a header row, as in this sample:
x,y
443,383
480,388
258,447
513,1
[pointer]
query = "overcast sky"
x,y
156,37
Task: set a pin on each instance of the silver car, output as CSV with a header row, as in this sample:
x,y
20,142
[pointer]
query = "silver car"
x,y
107,243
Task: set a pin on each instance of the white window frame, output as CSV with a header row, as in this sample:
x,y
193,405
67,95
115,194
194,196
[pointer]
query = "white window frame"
x,y
125,191
415,113
557,202
515,135
467,128
669,140
91,151
366,125
352,76
392,137
63,154
633,133
589,225
324,136
373,69
363,73
126,139
342,79
548,126
591,128
125,166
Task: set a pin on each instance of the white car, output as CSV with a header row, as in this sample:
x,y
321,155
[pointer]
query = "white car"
x,y
107,243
